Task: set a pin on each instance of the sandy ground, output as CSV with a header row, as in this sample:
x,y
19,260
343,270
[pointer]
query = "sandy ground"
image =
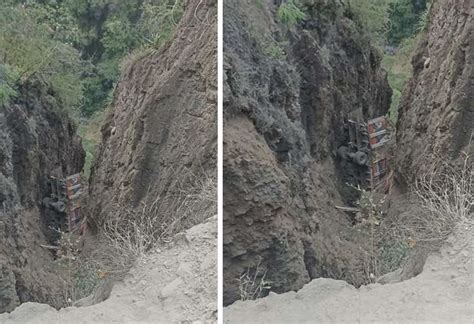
x,y
176,284
442,293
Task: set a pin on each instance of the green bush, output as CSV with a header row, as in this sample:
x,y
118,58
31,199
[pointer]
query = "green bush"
x,y
372,16
8,80
406,17
123,28
30,48
77,46
274,50
399,71
290,13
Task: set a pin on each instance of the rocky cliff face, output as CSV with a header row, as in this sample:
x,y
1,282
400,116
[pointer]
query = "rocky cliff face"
x,y
37,140
436,112
160,135
286,93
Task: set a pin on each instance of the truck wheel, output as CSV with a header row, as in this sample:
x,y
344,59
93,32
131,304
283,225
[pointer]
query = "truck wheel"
x,y
360,158
59,206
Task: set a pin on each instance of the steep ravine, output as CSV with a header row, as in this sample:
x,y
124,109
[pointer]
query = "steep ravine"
x,y
435,123
159,140
37,141
287,91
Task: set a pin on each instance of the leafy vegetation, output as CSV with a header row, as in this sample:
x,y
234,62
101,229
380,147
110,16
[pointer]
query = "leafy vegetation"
x,y
274,50
406,17
91,135
111,30
29,48
76,46
8,80
393,25
399,71
290,13
389,22
372,16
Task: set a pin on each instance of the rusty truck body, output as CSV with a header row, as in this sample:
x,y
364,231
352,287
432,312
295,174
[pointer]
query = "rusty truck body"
x,y
363,149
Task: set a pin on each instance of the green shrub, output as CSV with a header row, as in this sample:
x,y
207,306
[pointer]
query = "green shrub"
x,y
28,47
91,136
274,51
423,19
406,18
399,71
290,13
77,46
8,80
372,16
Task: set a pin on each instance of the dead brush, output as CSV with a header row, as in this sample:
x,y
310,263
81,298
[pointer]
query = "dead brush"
x,y
253,284
446,193
135,231
441,198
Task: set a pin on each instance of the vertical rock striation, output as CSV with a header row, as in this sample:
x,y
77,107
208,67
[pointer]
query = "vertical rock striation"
x,y
37,140
436,114
160,134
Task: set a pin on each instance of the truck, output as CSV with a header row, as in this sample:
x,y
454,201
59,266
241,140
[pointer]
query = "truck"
x,y
366,163
63,198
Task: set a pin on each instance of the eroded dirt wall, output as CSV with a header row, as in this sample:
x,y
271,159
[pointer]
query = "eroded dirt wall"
x,y
37,141
160,135
436,114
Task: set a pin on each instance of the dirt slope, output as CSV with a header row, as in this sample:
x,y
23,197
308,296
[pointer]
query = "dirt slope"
x,y
442,293
286,93
174,285
37,141
436,115
160,134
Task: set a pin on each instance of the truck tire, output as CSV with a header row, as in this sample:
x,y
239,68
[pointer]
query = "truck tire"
x,y
360,158
59,206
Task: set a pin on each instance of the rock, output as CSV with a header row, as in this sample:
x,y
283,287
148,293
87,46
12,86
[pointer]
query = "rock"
x,y
8,296
37,140
436,117
163,121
